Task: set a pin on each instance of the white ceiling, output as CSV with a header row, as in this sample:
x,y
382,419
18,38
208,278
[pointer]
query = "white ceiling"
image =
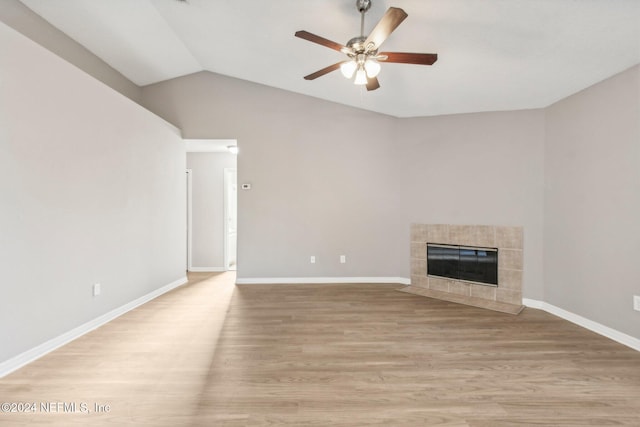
x,y
492,54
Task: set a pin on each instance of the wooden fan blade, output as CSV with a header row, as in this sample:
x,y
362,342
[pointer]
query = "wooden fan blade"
x,y
372,83
324,71
409,58
389,22
319,40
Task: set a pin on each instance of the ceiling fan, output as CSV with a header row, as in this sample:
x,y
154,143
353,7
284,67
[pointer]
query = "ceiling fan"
x,y
364,58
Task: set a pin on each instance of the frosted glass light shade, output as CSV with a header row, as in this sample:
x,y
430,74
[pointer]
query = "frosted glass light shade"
x,y
348,68
361,77
372,68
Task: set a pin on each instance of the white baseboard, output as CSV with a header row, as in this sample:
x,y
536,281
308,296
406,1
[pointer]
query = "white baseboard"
x,y
533,303
320,280
207,269
596,327
29,356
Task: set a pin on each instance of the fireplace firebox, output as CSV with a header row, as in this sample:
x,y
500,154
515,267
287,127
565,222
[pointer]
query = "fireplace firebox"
x,y
465,263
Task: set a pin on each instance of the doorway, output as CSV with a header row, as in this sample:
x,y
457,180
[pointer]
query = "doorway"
x,y
189,217
230,218
212,207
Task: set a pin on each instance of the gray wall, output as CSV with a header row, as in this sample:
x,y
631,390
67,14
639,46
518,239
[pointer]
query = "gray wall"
x,y
592,202
330,180
483,168
92,190
18,16
208,207
323,183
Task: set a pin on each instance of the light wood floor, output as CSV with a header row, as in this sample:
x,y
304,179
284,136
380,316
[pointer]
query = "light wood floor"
x,y
215,354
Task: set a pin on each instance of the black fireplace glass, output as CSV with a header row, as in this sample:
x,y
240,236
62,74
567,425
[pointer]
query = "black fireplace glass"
x,y
463,263
442,260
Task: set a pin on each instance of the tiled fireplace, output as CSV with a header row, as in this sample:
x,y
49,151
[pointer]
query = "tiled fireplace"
x,y
507,296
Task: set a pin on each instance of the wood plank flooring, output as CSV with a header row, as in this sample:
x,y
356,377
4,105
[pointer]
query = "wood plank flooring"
x,y
214,354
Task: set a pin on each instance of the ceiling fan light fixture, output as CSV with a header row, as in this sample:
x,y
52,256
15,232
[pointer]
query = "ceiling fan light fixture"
x,y
361,77
372,67
348,68
362,51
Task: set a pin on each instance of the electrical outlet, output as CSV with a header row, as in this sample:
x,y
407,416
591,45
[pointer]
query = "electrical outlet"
x,y
96,289
312,260
636,302
343,259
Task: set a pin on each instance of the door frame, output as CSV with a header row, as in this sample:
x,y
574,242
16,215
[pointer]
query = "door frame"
x,y
226,217
189,218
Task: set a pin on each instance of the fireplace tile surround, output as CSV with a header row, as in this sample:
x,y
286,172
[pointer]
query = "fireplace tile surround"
x,y
510,243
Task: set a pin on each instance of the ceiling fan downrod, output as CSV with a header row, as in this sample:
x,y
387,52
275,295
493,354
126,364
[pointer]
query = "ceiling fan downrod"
x,y
355,46
363,6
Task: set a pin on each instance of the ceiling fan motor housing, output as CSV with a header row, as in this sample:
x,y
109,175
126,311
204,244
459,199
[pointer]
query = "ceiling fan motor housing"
x,y
357,44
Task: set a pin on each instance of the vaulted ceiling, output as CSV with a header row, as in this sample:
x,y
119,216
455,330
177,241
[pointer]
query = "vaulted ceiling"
x,y
493,54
